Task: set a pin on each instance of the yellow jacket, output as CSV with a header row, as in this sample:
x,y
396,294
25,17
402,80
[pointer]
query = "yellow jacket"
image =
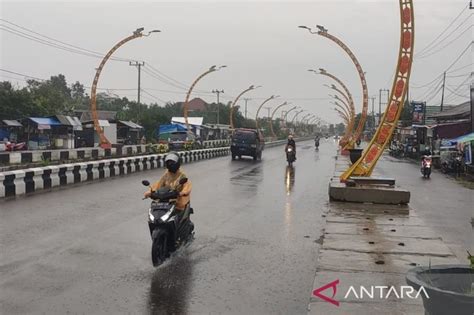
x,y
171,180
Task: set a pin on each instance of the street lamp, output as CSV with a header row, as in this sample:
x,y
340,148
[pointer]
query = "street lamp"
x,y
231,112
104,142
186,102
260,107
347,137
271,118
322,31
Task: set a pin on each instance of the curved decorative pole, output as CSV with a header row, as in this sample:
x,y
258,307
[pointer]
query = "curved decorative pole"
x,y
303,119
231,111
343,116
365,99
260,107
293,120
273,114
343,109
365,165
347,140
286,114
103,141
346,107
186,101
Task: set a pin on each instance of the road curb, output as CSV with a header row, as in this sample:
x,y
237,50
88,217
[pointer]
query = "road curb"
x,y
27,181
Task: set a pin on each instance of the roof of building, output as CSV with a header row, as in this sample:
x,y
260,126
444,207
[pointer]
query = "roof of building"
x,y
457,112
197,104
130,124
195,121
11,123
102,115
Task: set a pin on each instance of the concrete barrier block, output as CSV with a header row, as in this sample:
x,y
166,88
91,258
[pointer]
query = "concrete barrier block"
x,y
87,153
55,155
15,157
36,156
38,177
82,171
73,154
19,182
370,194
2,186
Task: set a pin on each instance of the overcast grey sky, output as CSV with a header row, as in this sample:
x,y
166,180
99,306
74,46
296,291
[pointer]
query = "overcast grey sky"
x,y
258,40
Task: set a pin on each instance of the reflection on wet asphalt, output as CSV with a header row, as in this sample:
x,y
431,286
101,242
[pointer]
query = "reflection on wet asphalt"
x,y
86,249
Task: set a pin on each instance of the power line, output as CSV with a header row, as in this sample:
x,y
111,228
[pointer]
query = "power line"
x,y
441,34
80,51
426,55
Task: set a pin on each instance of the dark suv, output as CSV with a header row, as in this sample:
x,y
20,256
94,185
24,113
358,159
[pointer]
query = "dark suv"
x,y
247,142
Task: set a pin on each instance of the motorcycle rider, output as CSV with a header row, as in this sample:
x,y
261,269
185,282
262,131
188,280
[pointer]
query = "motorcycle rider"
x,y
291,142
171,179
316,141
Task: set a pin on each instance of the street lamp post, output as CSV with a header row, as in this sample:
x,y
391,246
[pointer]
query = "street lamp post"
x,y
231,111
104,142
365,165
186,102
273,114
365,99
260,107
294,118
345,141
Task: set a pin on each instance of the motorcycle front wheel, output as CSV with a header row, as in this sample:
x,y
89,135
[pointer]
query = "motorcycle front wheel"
x,y
159,247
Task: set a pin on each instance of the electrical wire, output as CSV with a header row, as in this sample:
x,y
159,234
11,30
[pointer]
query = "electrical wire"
x,y
441,34
442,48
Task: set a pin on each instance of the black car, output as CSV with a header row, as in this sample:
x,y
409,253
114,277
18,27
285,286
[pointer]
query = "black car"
x,y
248,142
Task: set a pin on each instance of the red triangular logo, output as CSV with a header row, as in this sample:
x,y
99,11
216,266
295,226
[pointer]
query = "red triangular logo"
x,y
332,285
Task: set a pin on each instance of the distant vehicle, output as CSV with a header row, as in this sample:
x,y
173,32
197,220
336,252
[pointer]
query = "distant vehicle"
x,y
3,146
181,140
248,142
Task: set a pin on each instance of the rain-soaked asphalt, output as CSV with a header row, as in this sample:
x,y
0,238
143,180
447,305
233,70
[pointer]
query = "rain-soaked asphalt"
x,y
86,249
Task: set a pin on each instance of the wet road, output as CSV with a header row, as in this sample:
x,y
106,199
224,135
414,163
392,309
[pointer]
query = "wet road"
x,y
444,204
86,249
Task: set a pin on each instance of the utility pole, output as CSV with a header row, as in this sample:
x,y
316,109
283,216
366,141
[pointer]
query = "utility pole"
x,y
472,106
380,105
246,100
373,117
268,109
442,94
218,92
139,66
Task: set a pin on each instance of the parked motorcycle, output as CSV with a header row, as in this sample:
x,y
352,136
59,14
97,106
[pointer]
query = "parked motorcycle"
x,y
426,166
168,229
452,166
12,146
290,155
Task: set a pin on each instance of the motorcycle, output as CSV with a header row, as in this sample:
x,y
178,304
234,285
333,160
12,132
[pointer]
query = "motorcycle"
x,y
426,166
290,155
316,144
168,230
452,166
12,146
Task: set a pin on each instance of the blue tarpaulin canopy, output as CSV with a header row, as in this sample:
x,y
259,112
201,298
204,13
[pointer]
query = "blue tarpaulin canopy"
x,y
462,139
45,122
171,128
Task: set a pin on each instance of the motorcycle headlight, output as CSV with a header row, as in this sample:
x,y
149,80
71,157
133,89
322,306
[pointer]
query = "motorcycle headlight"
x,y
151,216
290,150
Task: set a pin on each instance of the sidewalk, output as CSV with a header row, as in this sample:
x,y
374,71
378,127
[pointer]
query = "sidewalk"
x,y
373,245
